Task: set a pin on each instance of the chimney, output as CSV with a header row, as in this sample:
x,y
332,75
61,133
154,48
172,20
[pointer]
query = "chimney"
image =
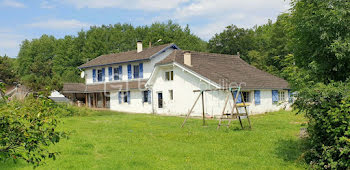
x,y
187,58
139,46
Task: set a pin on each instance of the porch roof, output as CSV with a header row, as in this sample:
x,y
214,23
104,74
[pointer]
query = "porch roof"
x,y
102,87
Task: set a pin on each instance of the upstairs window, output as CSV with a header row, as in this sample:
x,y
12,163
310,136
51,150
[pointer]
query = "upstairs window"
x,y
118,73
101,75
136,71
169,75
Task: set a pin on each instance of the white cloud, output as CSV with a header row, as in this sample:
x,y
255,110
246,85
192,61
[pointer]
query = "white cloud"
x,y
13,3
147,5
45,4
9,42
60,24
213,16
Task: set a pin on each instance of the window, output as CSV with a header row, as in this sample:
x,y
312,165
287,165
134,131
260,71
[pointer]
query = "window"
x,y
169,75
171,94
125,97
99,75
145,96
136,71
246,96
281,96
117,74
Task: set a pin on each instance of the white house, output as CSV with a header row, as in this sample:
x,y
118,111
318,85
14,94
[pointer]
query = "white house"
x,y
162,80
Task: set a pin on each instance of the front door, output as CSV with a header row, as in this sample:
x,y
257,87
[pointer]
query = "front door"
x,y
160,100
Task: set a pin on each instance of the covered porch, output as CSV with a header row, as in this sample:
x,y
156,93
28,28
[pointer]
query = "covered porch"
x,y
96,95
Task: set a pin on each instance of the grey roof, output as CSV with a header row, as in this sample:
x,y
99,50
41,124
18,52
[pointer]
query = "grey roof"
x,y
225,69
128,56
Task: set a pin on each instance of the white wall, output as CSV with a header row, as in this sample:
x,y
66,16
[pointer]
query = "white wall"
x,y
136,104
147,69
183,85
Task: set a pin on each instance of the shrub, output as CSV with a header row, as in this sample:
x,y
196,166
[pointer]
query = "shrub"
x,y
66,110
328,109
27,129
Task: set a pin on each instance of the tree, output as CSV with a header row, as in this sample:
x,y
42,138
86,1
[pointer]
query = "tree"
x,y
47,62
36,64
7,70
231,41
320,32
27,129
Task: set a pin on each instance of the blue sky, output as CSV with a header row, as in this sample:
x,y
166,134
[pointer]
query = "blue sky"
x,y
28,19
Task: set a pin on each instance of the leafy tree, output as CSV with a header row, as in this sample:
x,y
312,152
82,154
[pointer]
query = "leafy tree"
x,y
27,129
7,70
35,63
231,41
320,37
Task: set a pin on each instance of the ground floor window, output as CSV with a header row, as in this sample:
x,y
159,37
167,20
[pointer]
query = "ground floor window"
x,y
160,100
246,96
281,96
125,97
171,94
145,96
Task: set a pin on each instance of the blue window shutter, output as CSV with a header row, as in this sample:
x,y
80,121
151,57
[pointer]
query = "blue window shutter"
x,y
120,72
129,71
274,96
103,74
290,97
149,96
239,99
257,96
94,75
141,70
110,73
129,97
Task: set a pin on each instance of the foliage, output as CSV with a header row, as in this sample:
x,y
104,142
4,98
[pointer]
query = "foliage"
x,y
231,41
45,63
328,109
111,140
35,60
7,70
27,129
68,110
264,47
320,37
2,93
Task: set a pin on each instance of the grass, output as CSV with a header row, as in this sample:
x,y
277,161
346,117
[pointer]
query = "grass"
x,y
110,140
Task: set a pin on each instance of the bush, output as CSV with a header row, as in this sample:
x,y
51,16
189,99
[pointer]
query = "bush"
x,y
328,109
66,110
27,129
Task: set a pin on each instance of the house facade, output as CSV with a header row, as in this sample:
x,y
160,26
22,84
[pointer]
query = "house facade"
x,y
162,80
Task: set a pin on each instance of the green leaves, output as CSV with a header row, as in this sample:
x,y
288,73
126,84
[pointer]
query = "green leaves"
x,y
328,110
320,35
27,129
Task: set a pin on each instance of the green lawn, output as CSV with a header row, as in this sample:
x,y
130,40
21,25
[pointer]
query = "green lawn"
x,y
110,140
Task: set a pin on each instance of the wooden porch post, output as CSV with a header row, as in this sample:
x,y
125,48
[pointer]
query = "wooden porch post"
x,y
104,100
86,100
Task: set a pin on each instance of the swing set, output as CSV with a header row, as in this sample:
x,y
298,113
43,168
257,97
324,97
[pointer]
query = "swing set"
x,y
234,114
